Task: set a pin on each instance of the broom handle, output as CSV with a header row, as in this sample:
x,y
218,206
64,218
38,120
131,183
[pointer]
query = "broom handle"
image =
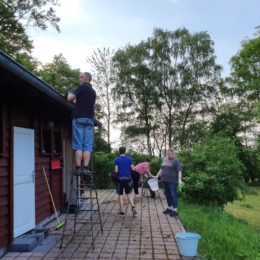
x,y
53,204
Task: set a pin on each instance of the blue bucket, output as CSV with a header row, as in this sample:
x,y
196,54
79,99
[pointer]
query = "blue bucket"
x,y
188,243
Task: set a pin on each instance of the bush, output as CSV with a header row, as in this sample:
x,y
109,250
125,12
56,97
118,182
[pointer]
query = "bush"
x,y
249,157
104,164
155,165
213,172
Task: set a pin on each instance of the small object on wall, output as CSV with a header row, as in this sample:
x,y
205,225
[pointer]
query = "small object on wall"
x,y
55,164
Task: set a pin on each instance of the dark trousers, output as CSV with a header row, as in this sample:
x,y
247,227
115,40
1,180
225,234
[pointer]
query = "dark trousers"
x,y
135,177
170,191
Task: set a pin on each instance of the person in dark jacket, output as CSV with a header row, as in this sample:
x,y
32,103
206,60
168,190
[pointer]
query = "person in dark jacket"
x,y
84,98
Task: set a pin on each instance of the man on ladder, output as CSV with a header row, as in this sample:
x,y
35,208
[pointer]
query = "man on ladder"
x,y
84,98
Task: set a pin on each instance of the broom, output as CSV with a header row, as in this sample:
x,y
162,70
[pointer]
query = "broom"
x,y
60,224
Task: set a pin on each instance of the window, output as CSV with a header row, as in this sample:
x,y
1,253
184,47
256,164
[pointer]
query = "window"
x,y
46,141
50,138
57,142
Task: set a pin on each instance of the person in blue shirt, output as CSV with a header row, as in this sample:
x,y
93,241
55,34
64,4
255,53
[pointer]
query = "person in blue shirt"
x,y
123,167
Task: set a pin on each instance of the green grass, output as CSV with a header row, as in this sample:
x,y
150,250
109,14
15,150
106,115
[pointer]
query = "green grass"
x,y
248,209
222,235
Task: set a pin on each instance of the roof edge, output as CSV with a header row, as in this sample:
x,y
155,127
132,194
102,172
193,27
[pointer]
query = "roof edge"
x,y
18,70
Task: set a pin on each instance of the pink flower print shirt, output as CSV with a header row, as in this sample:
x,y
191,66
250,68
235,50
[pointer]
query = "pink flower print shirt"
x,y
142,168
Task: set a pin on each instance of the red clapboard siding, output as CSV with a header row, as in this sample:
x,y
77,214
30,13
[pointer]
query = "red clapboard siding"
x,y
3,237
4,211
3,202
4,181
3,171
3,191
4,221
3,163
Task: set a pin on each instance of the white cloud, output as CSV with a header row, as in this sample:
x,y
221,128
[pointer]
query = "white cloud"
x,y
76,53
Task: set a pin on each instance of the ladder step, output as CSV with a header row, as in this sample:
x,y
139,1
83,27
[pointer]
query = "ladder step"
x,y
84,198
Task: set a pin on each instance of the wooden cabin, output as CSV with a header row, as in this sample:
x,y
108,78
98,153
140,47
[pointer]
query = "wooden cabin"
x,y
35,131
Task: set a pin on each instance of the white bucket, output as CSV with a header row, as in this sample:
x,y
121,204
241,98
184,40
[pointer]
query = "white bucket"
x,y
153,184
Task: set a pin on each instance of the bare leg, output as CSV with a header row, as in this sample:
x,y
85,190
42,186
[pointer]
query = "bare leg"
x,y
78,157
130,199
86,158
121,202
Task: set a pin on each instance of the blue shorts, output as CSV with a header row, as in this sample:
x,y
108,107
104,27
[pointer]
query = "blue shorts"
x,y
83,134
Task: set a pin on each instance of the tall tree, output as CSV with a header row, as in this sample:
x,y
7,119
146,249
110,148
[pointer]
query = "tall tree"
x,y
59,74
103,68
16,16
135,90
190,80
245,82
13,38
245,70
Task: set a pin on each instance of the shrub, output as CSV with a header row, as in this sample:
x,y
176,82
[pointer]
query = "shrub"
x,y
104,163
213,172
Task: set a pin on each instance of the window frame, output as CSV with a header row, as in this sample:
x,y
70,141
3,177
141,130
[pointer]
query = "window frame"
x,y
54,130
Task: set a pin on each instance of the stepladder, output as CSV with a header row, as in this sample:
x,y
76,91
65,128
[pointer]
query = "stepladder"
x,y
83,210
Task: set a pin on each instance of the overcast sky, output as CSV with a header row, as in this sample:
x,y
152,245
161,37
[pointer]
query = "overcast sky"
x,y
89,24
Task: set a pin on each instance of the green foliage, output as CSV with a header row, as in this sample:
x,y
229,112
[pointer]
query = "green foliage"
x,y
246,70
249,209
250,158
222,236
213,172
60,75
230,124
27,61
164,83
13,38
155,165
227,123
104,163
15,17
37,13
135,89
103,68
189,80
101,145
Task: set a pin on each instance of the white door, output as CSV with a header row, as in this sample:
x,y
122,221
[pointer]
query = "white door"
x,y
24,178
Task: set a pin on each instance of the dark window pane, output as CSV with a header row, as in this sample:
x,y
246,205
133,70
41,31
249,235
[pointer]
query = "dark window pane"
x,y
46,140
57,142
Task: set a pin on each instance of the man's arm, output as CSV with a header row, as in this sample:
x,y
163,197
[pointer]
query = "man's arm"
x,y
116,169
150,174
132,167
71,97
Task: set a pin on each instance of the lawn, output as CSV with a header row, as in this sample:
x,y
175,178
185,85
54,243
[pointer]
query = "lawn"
x,y
223,235
248,209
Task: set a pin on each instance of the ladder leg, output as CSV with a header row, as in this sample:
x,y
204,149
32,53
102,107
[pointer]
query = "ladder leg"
x,y
77,201
67,211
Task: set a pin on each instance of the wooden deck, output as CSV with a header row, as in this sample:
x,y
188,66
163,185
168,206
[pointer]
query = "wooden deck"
x,y
149,235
